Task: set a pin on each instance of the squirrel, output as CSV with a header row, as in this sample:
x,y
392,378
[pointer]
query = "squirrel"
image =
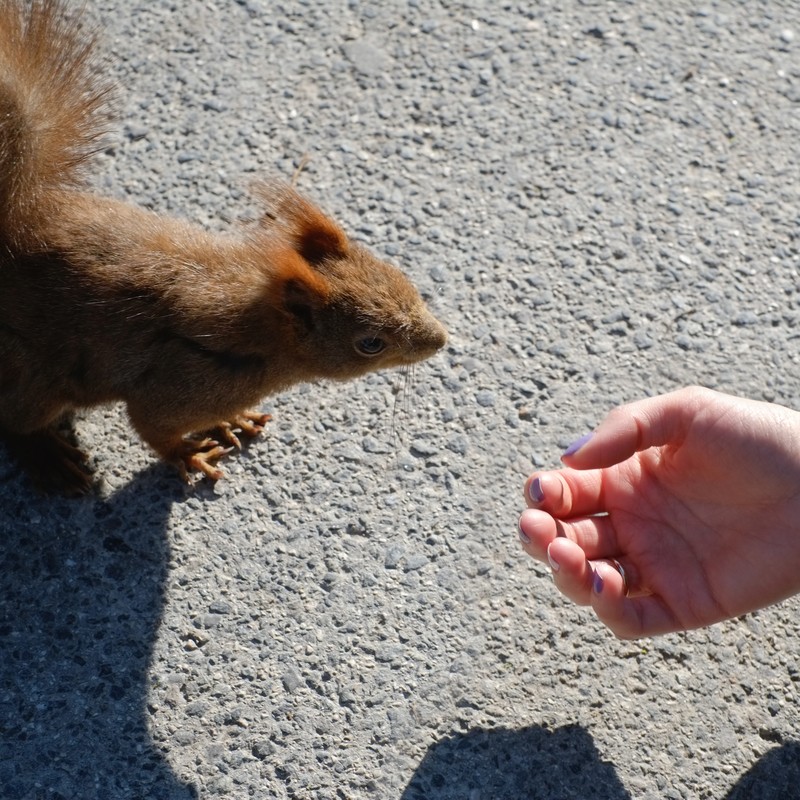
x,y
102,301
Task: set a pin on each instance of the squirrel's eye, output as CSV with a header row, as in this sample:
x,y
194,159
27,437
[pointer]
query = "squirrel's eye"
x,y
370,346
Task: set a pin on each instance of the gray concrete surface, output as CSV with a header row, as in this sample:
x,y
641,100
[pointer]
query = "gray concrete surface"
x,y
602,201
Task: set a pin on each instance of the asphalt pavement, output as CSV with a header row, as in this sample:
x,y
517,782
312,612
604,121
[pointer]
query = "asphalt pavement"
x,y
601,201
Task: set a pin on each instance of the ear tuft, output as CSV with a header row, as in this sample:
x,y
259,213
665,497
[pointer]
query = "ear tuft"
x,y
315,236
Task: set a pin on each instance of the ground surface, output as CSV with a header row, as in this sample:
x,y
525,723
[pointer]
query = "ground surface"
x,y
602,200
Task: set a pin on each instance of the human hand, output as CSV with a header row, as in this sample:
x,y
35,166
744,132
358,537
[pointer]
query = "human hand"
x,y
695,494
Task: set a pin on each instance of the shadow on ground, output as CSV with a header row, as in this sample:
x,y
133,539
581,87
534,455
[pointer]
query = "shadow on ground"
x,y
776,776
532,763
81,597
537,763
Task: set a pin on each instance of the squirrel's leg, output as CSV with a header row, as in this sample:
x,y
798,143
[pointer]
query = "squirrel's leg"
x,y
29,425
50,460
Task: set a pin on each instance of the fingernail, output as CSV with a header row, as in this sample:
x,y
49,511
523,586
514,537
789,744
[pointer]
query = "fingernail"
x,y
523,537
554,565
597,582
535,490
575,446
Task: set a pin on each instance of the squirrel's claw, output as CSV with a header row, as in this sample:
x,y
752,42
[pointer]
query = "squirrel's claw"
x,y
226,432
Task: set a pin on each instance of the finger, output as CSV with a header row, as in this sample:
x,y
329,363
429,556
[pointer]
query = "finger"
x,y
579,578
628,617
566,492
599,584
638,426
572,572
595,536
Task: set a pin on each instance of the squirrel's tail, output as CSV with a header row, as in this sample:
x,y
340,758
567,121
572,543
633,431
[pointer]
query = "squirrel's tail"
x,y
53,112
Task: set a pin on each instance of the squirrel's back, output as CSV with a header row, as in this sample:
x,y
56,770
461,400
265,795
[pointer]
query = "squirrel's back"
x,y
52,112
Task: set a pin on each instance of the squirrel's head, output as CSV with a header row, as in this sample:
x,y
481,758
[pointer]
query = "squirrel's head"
x,y
349,312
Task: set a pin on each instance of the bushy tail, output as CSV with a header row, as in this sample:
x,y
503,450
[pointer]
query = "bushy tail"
x,y
53,112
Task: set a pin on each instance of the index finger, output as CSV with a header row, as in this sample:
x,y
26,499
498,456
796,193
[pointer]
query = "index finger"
x,y
637,426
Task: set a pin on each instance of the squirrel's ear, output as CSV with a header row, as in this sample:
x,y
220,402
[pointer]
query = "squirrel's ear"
x,y
314,236
319,238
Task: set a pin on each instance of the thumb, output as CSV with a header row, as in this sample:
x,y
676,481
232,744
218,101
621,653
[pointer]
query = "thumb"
x,y
634,427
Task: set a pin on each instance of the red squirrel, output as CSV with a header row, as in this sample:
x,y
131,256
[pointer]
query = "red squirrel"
x,y
101,301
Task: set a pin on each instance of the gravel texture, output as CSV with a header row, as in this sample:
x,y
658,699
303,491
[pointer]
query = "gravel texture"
x,y
602,201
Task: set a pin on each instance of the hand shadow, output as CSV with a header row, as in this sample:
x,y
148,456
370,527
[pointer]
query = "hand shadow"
x,y
527,764
81,597
775,776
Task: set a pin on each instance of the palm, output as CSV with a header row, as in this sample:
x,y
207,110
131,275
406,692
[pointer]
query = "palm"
x,y
707,524
692,545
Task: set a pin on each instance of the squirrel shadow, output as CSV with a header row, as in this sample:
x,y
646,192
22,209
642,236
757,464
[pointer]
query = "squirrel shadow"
x,y
775,776
531,763
81,598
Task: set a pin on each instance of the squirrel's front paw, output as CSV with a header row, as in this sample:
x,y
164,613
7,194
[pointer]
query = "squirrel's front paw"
x,y
249,423
201,455
201,451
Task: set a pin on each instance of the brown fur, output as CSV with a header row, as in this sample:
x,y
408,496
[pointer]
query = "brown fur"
x,y
102,301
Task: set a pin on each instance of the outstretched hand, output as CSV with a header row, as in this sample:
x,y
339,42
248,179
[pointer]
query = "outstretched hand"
x,y
694,494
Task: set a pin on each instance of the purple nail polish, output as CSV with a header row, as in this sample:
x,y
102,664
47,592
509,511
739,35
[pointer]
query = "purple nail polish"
x,y
523,537
575,446
535,490
597,582
554,565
